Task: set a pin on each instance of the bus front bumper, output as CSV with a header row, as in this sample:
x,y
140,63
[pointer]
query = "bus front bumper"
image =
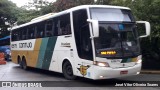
x,y
106,73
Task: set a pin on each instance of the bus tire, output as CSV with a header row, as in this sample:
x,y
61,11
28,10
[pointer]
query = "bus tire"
x,y
20,62
68,71
24,64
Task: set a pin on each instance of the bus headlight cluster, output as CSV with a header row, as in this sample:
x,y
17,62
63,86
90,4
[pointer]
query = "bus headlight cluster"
x,y
101,64
139,59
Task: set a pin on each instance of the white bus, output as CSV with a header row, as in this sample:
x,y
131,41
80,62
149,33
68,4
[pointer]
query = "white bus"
x,y
90,41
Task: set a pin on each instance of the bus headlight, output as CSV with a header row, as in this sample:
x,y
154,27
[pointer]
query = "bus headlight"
x,y
101,64
139,61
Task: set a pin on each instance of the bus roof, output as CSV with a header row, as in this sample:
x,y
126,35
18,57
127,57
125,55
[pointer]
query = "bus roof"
x,y
51,15
97,6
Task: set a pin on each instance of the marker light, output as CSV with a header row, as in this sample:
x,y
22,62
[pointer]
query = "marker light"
x,y
108,52
101,64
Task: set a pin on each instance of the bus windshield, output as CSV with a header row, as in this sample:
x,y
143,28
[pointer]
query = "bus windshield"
x,y
117,34
109,14
121,39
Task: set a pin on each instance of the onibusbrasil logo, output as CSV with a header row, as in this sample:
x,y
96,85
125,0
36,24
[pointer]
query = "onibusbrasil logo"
x,y
21,84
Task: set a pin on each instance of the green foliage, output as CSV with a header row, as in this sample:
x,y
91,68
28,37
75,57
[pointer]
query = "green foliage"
x,y
61,5
47,9
7,16
84,2
103,2
24,16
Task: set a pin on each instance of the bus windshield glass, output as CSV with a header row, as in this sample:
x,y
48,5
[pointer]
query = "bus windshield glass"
x,y
118,37
109,14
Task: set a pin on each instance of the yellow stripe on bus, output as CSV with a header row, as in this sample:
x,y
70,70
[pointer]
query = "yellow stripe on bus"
x,y
34,54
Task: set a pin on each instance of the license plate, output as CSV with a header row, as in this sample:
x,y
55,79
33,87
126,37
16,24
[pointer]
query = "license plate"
x,y
124,72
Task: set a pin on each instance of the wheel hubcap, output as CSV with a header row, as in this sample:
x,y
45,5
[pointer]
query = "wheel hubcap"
x,y
69,70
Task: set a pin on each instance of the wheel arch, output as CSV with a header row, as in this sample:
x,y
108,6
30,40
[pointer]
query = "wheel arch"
x,y
72,64
24,58
68,76
19,59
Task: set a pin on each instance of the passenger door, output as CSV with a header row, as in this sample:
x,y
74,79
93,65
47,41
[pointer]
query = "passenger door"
x,y
83,42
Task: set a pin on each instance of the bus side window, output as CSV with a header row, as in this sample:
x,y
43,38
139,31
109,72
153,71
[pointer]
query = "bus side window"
x,y
14,35
59,28
55,26
49,28
63,25
24,33
40,30
31,32
19,32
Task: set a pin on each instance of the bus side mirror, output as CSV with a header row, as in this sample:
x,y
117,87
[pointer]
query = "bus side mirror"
x,y
95,26
147,27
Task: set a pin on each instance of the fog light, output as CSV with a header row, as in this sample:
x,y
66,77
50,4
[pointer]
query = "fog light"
x,y
101,76
138,72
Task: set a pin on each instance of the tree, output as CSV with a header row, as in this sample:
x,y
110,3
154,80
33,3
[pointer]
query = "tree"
x,y
103,2
24,16
61,5
149,10
47,9
33,9
7,16
36,4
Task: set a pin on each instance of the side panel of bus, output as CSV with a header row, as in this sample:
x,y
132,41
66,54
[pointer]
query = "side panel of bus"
x,y
46,52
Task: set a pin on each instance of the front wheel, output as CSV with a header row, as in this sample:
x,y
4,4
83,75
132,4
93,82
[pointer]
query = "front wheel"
x,y
68,71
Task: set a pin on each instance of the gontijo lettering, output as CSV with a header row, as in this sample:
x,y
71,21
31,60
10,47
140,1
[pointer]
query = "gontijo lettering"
x,y
14,45
22,45
25,45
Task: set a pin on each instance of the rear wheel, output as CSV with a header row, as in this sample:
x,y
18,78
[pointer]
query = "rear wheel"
x,y
68,71
20,62
24,64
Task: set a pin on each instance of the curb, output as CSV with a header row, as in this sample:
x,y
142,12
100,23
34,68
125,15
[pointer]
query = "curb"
x,y
150,72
